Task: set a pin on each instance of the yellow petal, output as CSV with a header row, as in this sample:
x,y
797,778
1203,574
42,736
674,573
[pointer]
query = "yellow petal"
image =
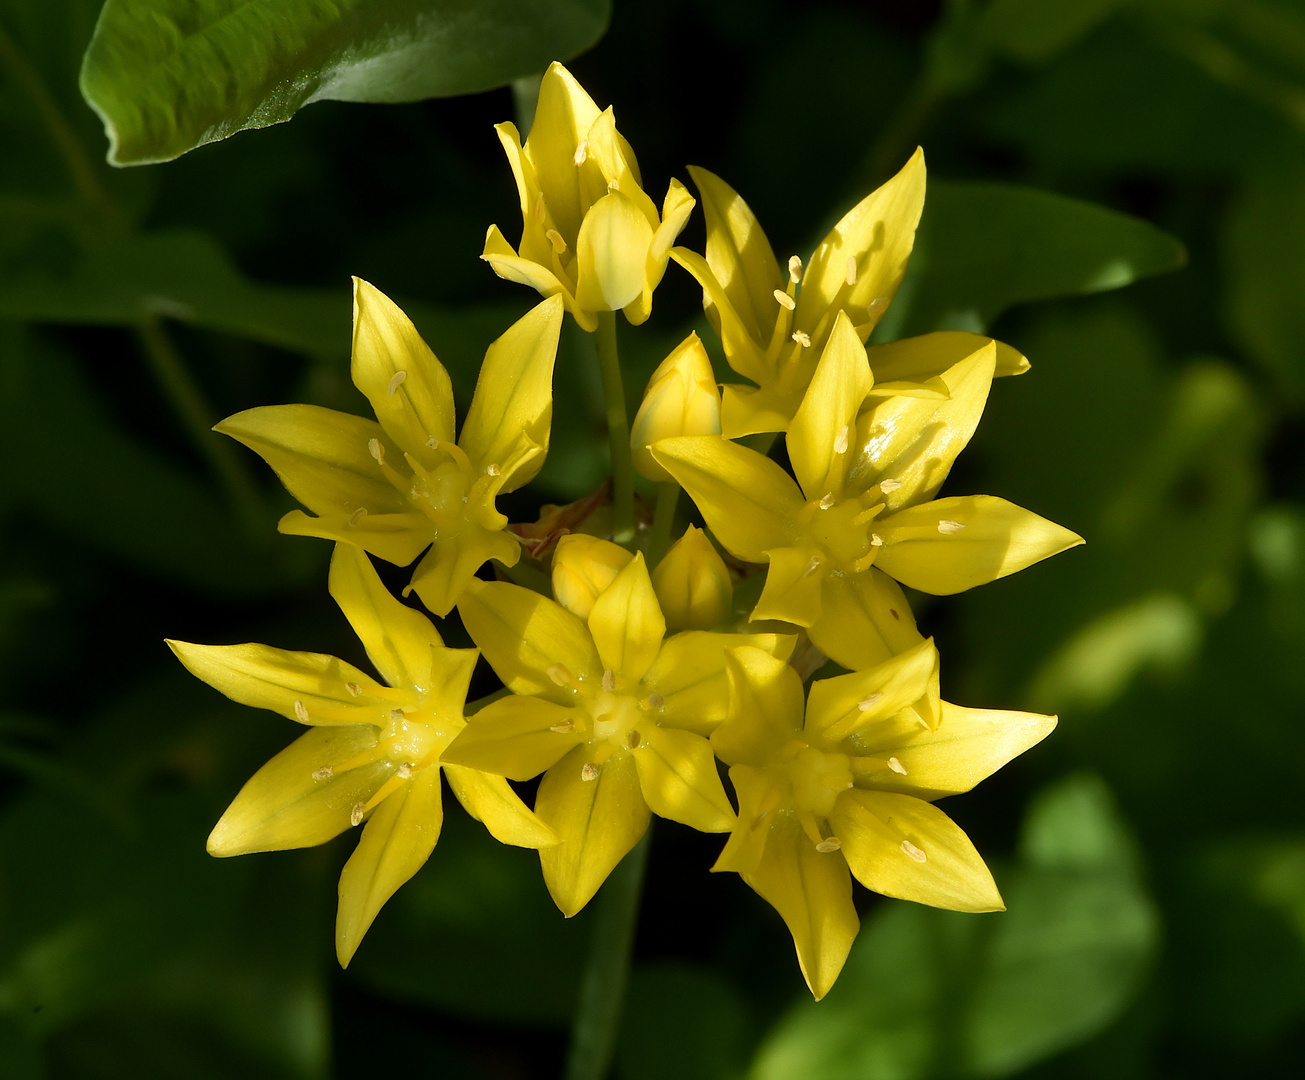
x,y
950,545
878,233
967,746
693,583
514,396
396,538
918,359
611,253
615,160
858,703
812,891
597,822
864,620
913,441
793,586
296,800
676,208
765,707
400,641
908,848
583,568
311,688
510,266
525,636
563,115
451,564
395,844
690,675
491,800
759,791
517,737
681,399
407,386
749,502
678,778
744,353
826,418
746,410
627,624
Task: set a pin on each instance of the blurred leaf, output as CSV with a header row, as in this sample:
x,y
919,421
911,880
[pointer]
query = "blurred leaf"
x,y
929,993
1034,31
702,1013
983,248
167,76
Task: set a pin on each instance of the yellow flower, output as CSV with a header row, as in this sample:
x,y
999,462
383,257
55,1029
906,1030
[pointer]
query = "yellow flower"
x,y
681,399
372,752
615,717
589,233
861,516
774,323
848,792
693,584
400,484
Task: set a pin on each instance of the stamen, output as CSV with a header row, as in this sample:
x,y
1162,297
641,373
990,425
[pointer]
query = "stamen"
x,y
609,680
868,703
358,515
581,152
559,674
555,238
433,443
889,486
420,489
614,184
589,772
876,540
841,439
492,470
541,212
897,766
405,771
802,338
812,566
356,814
794,269
376,450
784,300
851,269
396,714
914,852
656,701
353,688
324,773
832,843
301,712
950,528
877,306
633,740
397,380
827,501
563,726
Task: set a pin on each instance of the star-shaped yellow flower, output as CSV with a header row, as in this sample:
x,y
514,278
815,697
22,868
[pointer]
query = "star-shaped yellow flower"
x,y
774,324
372,752
861,516
848,791
614,714
400,484
589,232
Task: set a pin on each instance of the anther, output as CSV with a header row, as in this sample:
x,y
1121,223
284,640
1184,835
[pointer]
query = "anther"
x,y
301,712
356,814
877,306
555,238
889,486
492,470
914,852
840,440
563,726
656,701
589,772
396,714
784,300
802,338
897,766
397,380
581,152
324,773
868,703
832,843
950,528
876,540
851,269
433,443
633,740
812,566
358,515
376,450
756,821
827,501
405,771
794,269
614,184
540,211
353,688
559,674
609,680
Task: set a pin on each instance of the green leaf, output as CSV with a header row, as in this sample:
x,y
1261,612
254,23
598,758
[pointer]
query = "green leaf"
x,y
1034,31
167,76
929,993
984,247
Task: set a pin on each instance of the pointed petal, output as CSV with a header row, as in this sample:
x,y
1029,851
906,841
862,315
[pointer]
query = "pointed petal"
x,y
563,117
760,792
827,416
396,538
407,386
924,549
510,266
748,500
908,848
311,688
678,778
524,636
864,620
689,673
611,253
626,622
744,352
450,566
793,586
693,583
583,569
491,800
765,707
515,737
859,703
681,399
615,160
676,208
918,359
395,844
812,891
597,822
746,410
290,803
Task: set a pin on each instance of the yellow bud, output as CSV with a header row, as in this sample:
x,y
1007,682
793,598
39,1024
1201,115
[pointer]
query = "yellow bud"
x,y
693,584
682,399
583,567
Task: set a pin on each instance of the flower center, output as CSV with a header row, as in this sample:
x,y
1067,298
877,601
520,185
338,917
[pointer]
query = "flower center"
x,y
818,778
840,530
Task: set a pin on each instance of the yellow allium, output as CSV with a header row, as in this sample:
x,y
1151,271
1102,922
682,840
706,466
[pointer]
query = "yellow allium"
x,y
589,232
681,399
693,583
613,713
861,516
847,792
400,484
372,752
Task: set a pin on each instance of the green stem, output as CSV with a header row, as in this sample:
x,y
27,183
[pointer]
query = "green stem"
x,y
668,494
618,429
197,418
602,989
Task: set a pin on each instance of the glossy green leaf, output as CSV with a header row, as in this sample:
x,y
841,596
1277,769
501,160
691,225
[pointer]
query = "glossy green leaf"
x,y
167,76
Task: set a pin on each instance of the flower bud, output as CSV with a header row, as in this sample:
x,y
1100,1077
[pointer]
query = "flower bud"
x,y
682,399
583,567
693,584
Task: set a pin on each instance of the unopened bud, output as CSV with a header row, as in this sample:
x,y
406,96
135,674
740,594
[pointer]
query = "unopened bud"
x,y
693,584
583,567
682,399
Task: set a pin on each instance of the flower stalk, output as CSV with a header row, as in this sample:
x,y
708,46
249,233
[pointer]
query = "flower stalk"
x,y
668,495
618,429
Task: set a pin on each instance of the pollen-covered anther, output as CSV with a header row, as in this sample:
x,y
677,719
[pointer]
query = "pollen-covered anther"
x,y
877,306
324,773
614,184
784,300
889,486
560,675
830,843
541,211
555,238
876,540
802,338
868,703
396,714
633,740
950,528
851,269
827,500
812,566
794,269
910,850
301,711
563,726
404,771
492,470
358,515
609,680
841,440
433,443
589,772
356,814
353,688
397,380
581,152
656,701
376,450
897,766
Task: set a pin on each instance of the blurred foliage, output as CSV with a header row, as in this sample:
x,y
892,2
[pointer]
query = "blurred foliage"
x,y
1156,922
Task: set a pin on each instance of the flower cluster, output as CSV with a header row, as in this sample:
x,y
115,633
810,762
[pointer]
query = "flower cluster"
x,y
652,668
